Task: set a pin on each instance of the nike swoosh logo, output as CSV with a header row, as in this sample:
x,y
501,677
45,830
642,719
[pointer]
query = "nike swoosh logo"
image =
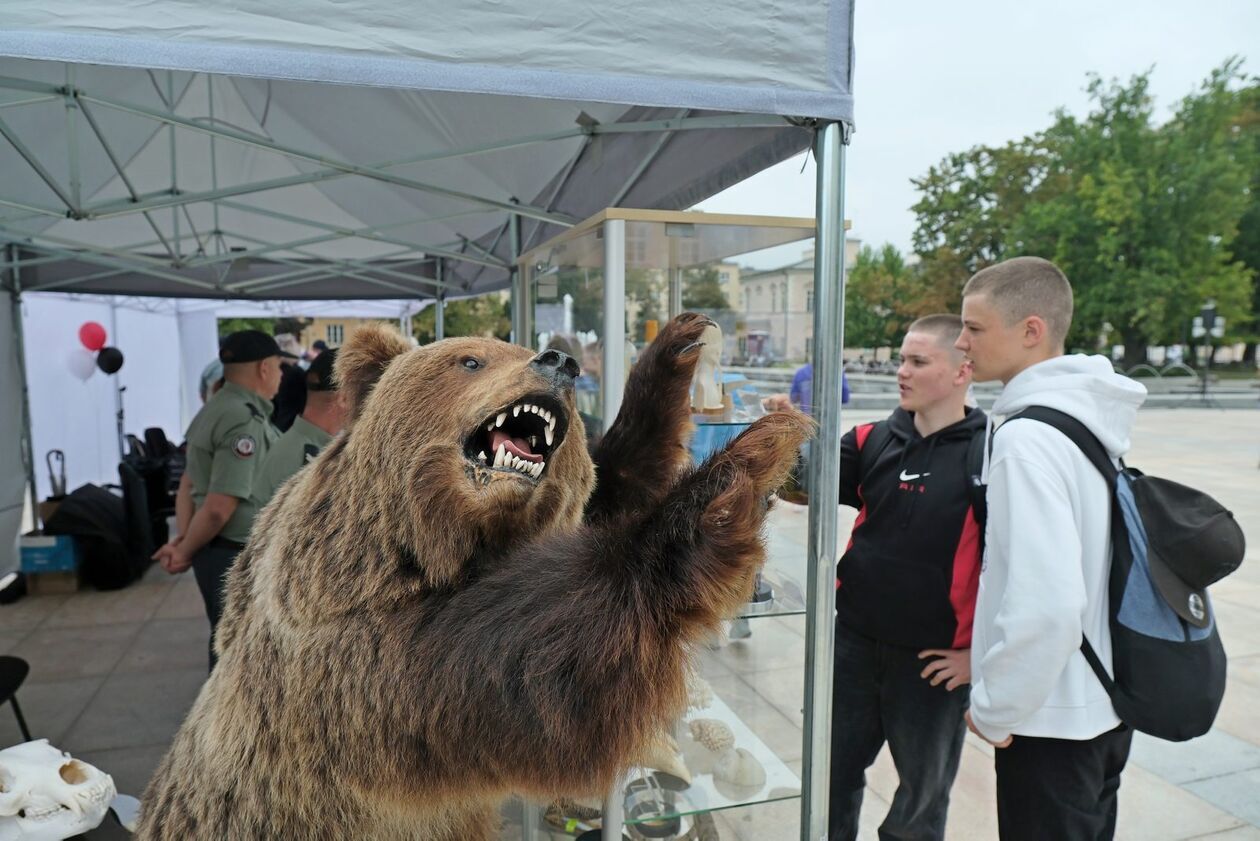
x,y
908,477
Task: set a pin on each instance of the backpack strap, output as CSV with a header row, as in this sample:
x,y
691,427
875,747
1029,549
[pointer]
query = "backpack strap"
x,y
1088,443
1076,432
975,480
871,446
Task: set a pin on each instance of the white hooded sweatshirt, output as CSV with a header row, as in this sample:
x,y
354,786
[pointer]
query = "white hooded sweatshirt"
x,y
1047,554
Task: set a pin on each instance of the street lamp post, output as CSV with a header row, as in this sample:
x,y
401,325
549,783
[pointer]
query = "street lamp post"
x,y
1207,325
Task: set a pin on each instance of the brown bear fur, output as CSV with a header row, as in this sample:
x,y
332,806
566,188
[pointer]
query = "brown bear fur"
x,y
410,636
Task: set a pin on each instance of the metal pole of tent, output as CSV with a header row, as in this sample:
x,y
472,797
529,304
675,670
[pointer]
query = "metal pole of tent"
x,y
522,314
439,304
824,477
19,342
118,387
614,375
612,381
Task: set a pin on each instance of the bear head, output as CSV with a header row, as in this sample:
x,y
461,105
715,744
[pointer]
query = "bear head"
x,y
458,449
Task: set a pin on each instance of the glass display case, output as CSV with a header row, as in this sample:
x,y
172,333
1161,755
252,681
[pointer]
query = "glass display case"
x,y
600,292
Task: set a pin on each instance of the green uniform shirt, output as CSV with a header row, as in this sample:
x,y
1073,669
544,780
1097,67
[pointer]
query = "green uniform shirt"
x,y
295,449
226,442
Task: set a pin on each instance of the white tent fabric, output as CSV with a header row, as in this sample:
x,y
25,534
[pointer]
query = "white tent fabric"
x,y
748,55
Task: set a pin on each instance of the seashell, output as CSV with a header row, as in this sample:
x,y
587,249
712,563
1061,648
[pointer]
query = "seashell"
x,y
739,768
699,693
713,734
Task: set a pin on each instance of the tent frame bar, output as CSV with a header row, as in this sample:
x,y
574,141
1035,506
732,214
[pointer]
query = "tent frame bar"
x,y
830,142
19,342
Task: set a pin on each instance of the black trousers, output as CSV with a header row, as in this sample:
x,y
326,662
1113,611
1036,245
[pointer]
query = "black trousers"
x,y
1060,789
210,566
879,696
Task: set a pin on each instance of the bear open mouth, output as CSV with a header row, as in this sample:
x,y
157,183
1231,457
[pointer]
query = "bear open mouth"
x,y
520,437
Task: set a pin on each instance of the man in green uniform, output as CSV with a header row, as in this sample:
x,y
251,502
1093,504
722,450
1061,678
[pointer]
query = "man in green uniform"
x,y
226,441
323,417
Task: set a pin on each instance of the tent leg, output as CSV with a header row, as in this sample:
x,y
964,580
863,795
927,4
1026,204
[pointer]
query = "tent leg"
x,y
824,477
19,340
613,377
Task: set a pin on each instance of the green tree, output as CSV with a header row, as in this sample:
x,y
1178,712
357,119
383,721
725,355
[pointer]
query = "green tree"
x,y
702,290
1246,247
885,294
485,315
1140,216
228,326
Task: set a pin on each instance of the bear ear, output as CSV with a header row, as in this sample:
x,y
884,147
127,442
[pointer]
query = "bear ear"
x,y
362,360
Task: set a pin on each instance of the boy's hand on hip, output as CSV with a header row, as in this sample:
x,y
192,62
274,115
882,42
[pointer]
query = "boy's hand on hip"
x,y
951,666
971,725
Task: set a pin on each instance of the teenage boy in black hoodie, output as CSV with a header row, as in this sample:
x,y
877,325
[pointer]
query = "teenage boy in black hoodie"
x,y
906,590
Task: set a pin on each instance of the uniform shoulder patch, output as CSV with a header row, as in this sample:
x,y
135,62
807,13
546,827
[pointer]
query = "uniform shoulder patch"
x,y
244,446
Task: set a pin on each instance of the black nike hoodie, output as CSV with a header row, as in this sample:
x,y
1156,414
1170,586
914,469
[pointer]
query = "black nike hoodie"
x,y
910,573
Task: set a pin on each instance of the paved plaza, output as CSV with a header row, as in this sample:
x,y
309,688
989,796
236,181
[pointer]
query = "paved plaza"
x,y
112,675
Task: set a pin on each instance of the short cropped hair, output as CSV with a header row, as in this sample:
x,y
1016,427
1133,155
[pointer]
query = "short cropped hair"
x,y
944,326
1026,286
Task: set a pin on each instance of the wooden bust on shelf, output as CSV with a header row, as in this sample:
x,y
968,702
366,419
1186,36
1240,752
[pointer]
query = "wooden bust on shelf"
x,y
706,384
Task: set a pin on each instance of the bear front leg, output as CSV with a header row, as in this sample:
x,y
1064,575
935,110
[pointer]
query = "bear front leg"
x,y
549,675
645,449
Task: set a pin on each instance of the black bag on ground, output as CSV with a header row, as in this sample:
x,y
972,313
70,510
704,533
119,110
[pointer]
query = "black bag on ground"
x,y
1169,543
98,521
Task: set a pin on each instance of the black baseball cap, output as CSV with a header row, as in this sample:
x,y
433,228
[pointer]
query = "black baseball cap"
x,y
319,345
1195,544
249,346
319,377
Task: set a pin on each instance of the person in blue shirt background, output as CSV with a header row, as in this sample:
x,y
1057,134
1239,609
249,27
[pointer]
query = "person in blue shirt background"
x,y
802,393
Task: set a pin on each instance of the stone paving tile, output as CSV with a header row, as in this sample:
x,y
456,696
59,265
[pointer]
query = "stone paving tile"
x,y
131,604
29,612
136,710
1242,833
1152,809
49,708
168,644
1238,793
183,601
61,653
10,637
771,646
1211,755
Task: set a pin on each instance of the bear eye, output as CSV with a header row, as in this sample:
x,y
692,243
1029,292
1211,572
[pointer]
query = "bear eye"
x,y
472,363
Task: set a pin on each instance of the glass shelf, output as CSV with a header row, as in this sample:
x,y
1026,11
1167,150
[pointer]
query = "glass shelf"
x,y
705,794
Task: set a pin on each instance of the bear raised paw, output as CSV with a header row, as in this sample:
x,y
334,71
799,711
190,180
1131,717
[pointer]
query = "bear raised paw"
x,y
454,603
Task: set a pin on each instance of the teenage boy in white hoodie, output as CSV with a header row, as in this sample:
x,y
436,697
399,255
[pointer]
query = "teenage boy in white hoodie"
x,y
1043,584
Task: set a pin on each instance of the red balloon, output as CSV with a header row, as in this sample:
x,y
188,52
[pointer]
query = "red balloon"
x,y
92,335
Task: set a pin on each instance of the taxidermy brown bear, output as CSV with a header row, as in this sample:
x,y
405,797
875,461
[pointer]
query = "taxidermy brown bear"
x,y
452,604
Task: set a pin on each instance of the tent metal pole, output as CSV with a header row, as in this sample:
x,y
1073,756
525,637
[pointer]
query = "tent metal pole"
x,y
439,305
31,209
38,168
118,386
613,379
644,164
322,160
72,138
170,98
522,313
122,174
129,262
19,341
824,478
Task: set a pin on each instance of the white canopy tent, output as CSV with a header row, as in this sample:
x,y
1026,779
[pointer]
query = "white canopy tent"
x,y
389,149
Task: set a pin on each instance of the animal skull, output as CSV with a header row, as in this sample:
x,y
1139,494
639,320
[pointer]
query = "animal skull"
x,y
45,795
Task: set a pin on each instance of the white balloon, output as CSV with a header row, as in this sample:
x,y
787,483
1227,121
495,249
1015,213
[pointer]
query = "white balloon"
x,y
82,363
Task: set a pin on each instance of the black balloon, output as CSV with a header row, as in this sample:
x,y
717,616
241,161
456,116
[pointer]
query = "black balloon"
x,y
109,360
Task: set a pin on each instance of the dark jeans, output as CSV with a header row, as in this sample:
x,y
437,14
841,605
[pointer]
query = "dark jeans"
x,y
1060,789
879,696
210,566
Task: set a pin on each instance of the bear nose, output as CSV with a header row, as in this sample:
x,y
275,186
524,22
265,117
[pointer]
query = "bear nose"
x,y
558,368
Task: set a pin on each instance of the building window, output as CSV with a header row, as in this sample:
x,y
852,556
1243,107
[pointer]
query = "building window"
x,y
809,300
335,334
724,278
783,291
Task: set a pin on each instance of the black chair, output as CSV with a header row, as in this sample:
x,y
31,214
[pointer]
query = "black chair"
x,y
13,670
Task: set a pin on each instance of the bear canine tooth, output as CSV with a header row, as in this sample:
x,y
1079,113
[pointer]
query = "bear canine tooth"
x,y
516,410
500,456
550,434
500,419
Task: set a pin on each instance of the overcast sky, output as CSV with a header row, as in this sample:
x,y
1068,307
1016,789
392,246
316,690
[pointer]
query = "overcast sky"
x,y
935,77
